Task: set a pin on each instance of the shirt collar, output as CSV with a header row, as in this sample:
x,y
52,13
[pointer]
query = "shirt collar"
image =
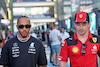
x,y
76,38
23,39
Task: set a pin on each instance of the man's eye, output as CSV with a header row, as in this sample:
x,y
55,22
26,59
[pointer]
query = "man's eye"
x,y
84,24
77,24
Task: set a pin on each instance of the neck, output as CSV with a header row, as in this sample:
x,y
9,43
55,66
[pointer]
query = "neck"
x,y
23,39
83,37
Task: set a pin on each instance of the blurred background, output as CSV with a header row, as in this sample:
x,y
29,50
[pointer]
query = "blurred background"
x,y
44,14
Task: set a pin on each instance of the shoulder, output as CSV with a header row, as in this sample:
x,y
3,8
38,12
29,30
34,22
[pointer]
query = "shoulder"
x,y
51,31
9,42
57,31
66,33
70,41
95,36
95,39
35,40
12,39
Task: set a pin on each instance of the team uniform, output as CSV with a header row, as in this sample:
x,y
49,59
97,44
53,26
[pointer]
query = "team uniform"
x,y
23,54
72,48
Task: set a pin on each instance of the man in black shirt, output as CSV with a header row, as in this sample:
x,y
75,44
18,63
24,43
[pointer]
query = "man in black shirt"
x,y
23,50
99,31
71,32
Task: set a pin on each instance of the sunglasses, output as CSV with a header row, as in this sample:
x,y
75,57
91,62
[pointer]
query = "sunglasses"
x,y
22,26
83,47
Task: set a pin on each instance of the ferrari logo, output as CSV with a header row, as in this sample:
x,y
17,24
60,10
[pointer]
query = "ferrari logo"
x,y
80,15
75,49
94,39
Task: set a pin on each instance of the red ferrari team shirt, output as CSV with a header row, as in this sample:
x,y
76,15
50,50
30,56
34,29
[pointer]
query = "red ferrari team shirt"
x,y
72,48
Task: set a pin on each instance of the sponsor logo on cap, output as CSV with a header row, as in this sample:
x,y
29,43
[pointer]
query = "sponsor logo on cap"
x,y
80,15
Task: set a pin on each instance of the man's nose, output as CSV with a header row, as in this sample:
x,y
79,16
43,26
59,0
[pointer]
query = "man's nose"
x,y
81,27
24,28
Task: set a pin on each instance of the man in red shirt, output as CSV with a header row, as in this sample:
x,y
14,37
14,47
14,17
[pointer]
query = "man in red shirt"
x,y
83,47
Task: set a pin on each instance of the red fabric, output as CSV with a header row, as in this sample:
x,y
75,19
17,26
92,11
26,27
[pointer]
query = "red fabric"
x,y
89,59
3,41
81,17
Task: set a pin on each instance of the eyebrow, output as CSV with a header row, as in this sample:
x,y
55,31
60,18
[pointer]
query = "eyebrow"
x,y
80,22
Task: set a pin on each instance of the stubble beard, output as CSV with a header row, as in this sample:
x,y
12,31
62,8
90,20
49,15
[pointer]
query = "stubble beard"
x,y
22,35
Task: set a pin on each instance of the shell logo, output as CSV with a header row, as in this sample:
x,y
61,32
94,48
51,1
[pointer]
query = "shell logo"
x,y
80,15
75,49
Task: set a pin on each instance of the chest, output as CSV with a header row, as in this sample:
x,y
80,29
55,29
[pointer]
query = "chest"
x,y
24,49
89,49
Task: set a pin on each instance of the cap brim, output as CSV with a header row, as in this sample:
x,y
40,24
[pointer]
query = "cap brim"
x,y
82,21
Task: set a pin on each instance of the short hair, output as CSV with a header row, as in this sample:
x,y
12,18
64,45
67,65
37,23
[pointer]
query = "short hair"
x,y
22,17
63,28
55,25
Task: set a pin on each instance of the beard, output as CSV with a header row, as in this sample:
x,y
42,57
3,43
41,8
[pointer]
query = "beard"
x,y
22,35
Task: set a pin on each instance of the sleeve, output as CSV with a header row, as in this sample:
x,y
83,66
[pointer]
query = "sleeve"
x,y
4,59
99,47
68,35
59,34
42,60
99,50
63,52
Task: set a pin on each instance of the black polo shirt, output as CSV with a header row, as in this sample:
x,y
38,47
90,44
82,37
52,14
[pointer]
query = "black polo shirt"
x,y
23,54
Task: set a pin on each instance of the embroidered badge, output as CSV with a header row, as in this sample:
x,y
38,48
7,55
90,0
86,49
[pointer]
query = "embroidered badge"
x,y
32,49
15,50
94,39
94,49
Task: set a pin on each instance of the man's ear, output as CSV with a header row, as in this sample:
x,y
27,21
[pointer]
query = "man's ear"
x,y
89,24
31,26
17,26
74,23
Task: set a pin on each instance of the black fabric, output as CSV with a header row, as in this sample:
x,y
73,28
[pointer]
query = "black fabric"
x,y
23,54
0,41
98,53
43,36
98,39
71,33
99,31
70,41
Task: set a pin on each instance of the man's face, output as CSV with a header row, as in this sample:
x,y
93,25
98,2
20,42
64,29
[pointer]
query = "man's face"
x,y
82,27
23,27
62,30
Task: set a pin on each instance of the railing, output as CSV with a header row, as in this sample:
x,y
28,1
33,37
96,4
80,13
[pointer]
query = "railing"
x,y
42,16
32,0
